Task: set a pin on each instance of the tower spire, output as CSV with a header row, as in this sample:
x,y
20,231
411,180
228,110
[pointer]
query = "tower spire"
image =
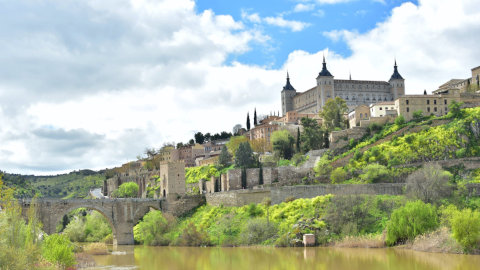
x,y
288,86
395,74
324,71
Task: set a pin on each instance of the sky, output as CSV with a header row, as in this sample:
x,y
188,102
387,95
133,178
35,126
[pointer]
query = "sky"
x,y
90,84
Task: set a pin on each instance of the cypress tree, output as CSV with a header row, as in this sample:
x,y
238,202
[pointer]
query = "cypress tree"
x,y
255,117
248,121
244,177
298,139
260,175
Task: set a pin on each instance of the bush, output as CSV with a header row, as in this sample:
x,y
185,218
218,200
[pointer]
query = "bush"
x,y
429,183
253,210
413,219
126,190
193,236
258,231
466,228
152,229
323,166
417,115
338,175
58,250
375,173
400,120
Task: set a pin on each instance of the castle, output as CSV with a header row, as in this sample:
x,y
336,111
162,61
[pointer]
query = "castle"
x,y
354,92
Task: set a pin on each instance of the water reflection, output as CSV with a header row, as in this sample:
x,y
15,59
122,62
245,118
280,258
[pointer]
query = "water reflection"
x,y
252,258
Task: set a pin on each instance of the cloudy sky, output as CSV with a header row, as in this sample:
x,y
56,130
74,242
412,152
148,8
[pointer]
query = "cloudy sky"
x,y
91,84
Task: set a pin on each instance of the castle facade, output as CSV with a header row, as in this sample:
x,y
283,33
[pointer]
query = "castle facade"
x,y
354,92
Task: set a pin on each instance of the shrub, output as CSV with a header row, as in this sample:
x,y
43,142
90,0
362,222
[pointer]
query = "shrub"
x,y
375,173
429,183
283,162
152,229
58,250
323,166
413,219
126,190
253,210
417,115
338,175
400,120
466,228
258,231
96,249
193,236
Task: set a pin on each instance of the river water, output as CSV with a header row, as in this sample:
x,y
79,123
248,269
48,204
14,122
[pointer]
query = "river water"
x,y
257,258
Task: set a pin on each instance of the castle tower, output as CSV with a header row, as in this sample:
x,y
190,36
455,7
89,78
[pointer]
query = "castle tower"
x,y
397,83
325,86
288,93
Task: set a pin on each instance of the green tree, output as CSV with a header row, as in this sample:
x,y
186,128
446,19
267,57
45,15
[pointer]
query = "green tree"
x,y
282,142
413,219
333,112
312,136
234,143
375,173
244,156
466,228
199,138
400,120
298,140
455,109
417,115
255,117
152,229
126,190
224,158
338,175
248,121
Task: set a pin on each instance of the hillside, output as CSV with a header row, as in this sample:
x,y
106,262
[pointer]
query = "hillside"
x,y
76,184
397,148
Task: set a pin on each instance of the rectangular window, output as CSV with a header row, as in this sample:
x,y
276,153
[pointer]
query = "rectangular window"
x,y
434,109
428,101
435,102
446,109
406,102
428,109
408,109
380,108
444,101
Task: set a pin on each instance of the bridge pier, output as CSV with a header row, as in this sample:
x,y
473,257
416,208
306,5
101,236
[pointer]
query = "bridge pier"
x,y
124,234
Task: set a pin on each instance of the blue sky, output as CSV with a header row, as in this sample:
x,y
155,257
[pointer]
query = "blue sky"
x,y
90,84
358,16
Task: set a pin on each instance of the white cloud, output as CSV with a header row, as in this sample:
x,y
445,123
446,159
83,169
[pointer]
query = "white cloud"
x,y
279,21
300,7
319,13
254,17
99,81
332,1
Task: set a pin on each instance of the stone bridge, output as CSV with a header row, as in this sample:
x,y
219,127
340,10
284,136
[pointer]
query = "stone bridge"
x,y
122,214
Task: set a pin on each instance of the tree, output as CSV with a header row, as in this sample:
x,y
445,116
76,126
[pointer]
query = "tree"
x,y
429,183
244,156
179,145
298,140
282,142
199,138
208,136
312,136
236,128
191,142
417,115
332,113
455,108
126,190
255,117
260,145
234,143
224,158
400,120
248,121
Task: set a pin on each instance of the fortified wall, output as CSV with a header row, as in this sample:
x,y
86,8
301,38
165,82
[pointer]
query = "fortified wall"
x,y
340,139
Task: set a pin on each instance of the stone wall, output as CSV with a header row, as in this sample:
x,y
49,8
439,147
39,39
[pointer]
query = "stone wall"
x,y
339,139
279,194
184,204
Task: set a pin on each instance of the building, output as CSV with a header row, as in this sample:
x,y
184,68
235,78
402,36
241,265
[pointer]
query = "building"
x,y
354,92
189,153
265,129
361,112
454,86
172,179
383,109
293,117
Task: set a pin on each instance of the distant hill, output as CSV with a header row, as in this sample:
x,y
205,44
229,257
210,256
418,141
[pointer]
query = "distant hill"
x,y
76,184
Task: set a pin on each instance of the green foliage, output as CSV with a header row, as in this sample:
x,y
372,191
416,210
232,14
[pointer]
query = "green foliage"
x,y
283,162
417,115
375,173
244,156
312,136
152,229
338,175
332,113
298,159
323,166
193,236
429,183
224,159
58,250
282,142
234,143
454,109
258,231
194,174
93,227
126,190
400,120
413,219
466,228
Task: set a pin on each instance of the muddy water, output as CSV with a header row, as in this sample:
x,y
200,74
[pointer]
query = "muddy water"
x,y
253,258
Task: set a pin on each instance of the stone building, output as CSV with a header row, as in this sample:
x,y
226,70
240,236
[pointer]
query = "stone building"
x,y
265,129
361,112
383,109
189,153
453,86
354,92
172,179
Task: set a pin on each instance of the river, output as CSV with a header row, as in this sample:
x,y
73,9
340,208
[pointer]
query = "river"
x,y
253,258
